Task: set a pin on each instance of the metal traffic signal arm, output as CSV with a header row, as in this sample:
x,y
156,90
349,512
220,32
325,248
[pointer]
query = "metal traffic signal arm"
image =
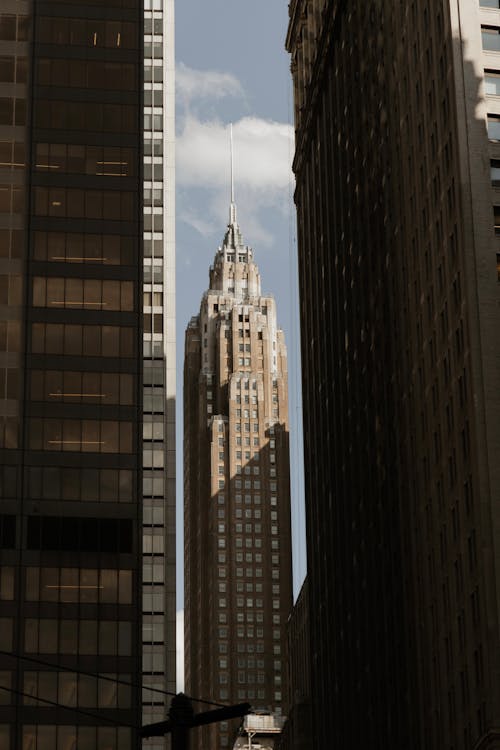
x,y
182,718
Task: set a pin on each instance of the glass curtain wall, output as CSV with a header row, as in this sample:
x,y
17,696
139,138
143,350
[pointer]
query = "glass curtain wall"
x,y
70,558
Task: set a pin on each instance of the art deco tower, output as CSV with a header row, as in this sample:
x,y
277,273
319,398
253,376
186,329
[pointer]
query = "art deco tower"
x,y
237,505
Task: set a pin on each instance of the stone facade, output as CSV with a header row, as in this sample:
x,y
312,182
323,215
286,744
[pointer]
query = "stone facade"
x,y
237,495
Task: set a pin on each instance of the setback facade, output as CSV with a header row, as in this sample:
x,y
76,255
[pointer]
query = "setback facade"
x,y
237,498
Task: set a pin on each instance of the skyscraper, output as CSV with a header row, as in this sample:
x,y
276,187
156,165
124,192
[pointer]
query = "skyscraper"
x,y
396,130
297,732
159,611
237,497
71,394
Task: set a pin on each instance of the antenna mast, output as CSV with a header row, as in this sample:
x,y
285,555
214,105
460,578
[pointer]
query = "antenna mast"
x,y
232,164
232,211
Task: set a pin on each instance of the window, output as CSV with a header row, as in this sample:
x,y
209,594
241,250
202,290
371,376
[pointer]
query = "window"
x,y
6,633
12,70
50,736
492,83
108,161
90,204
79,585
65,386
92,74
70,115
6,583
81,435
495,172
89,485
493,123
8,28
90,33
104,637
491,38
489,3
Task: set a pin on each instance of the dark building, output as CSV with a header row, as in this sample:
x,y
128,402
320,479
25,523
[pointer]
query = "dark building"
x,y
297,731
397,198
70,373
237,547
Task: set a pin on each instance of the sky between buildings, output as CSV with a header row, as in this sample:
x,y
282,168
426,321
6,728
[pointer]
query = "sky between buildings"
x,y
232,67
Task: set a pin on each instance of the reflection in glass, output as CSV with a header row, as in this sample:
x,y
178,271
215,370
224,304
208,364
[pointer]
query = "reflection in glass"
x,y
88,637
47,633
107,637
87,691
90,160
91,341
492,84
47,686
90,294
108,693
50,586
493,128
69,587
30,687
68,689
491,39
81,387
5,685
6,583
46,737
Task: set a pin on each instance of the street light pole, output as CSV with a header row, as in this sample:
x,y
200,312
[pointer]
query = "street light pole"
x,y
182,718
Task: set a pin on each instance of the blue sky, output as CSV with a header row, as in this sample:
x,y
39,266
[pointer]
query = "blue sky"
x,y
231,66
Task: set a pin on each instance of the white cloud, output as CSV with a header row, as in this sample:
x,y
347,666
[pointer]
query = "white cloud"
x,y
262,154
180,651
190,217
205,84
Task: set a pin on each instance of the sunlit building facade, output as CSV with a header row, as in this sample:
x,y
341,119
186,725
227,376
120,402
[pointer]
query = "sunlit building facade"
x,y
238,581
159,618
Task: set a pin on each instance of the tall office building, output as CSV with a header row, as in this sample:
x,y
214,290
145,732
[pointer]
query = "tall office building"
x,y
237,497
396,111
71,393
159,613
297,732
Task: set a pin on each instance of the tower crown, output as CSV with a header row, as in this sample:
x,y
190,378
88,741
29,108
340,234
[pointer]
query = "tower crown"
x,y
234,272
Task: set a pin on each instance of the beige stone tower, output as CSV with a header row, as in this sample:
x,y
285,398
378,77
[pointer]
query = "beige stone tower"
x,y
238,581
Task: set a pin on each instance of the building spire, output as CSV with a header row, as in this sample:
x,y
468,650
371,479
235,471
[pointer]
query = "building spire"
x,y
232,209
232,239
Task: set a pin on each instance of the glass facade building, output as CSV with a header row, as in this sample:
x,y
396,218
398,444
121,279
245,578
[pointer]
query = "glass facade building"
x,y
84,152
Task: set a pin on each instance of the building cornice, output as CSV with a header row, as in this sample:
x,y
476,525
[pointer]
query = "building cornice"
x,y
295,11
332,20
489,741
